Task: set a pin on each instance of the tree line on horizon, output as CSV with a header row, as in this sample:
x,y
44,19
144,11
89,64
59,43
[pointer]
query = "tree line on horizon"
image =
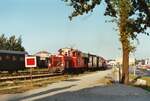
x,y
11,43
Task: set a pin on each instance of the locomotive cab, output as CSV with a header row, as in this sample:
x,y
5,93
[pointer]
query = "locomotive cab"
x,y
56,63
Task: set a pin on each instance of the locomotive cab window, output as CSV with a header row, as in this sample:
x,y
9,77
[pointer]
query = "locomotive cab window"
x,y
66,54
74,53
78,54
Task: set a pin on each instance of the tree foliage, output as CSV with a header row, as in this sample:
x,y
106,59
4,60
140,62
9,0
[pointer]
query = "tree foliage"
x,y
11,43
138,12
3,41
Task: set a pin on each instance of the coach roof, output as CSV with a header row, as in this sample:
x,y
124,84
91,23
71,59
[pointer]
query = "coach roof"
x,y
13,52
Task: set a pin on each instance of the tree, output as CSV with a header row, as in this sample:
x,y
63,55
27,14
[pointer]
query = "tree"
x,y
131,16
19,44
11,43
3,41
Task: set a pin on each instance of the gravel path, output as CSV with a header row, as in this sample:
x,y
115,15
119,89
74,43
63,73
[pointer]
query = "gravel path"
x,y
83,88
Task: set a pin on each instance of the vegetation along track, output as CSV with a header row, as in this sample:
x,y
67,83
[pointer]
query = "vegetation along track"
x,y
26,77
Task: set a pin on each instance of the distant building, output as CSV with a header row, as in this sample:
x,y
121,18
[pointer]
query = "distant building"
x,y
112,62
43,54
147,61
131,61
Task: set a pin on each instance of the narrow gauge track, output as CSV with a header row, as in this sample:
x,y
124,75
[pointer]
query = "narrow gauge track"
x,y
22,73
27,77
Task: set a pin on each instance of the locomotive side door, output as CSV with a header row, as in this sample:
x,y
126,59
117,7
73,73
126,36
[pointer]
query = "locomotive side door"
x,y
68,62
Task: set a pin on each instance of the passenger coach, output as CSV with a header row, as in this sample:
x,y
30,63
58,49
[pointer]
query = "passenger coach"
x,y
12,60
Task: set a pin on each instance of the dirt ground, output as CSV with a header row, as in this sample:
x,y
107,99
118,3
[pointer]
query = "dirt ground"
x,y
89,87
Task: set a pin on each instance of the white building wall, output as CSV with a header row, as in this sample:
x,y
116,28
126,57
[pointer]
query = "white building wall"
x,y
131,61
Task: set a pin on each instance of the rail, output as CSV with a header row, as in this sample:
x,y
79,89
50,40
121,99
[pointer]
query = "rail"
x,y
27,77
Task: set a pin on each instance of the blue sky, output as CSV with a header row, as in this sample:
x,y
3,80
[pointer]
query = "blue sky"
x,y
44,25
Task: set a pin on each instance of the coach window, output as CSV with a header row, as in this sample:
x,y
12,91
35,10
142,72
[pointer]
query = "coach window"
x,y
21,59
14,58
7,57
0,58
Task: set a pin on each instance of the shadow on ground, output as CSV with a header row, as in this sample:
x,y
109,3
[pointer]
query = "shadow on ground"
x,y
115,92
40,93
146,87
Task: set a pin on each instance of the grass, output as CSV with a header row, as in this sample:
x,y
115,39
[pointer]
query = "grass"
x,y
19,86
105,81
146,87
23,72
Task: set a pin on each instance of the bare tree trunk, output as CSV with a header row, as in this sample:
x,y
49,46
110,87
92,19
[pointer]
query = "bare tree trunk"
x,y
124,38
125,68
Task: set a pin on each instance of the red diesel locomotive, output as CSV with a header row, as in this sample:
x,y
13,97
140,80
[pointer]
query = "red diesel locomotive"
x,y
72,60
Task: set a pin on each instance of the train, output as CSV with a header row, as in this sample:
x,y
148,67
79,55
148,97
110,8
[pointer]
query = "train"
x,y
72,61
66,60
14,61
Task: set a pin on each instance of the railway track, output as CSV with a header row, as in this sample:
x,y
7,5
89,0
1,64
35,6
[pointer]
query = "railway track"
x,y
27,77
19,73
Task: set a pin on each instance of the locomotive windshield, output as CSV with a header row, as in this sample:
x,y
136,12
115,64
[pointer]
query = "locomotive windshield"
x,y
57,61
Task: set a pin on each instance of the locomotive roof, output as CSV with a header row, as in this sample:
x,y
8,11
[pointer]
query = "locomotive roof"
x,y
13,52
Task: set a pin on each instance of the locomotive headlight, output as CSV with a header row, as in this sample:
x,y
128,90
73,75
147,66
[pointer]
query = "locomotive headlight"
x,y
62,64
49,65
